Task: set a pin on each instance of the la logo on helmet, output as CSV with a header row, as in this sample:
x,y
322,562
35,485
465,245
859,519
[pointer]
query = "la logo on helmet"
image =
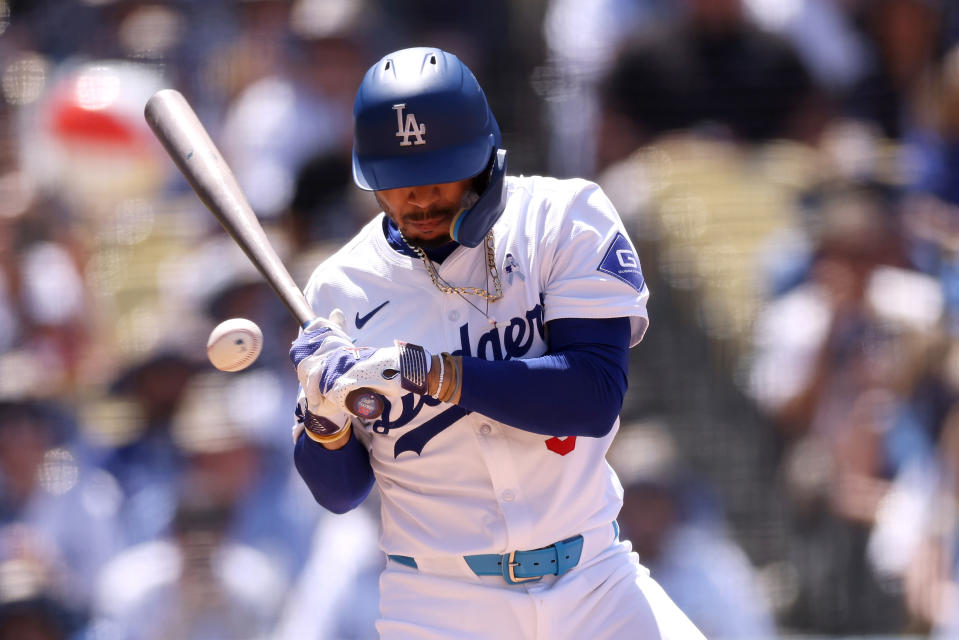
x,y
410,128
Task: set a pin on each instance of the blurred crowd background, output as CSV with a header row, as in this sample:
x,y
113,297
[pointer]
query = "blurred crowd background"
x,y
789,170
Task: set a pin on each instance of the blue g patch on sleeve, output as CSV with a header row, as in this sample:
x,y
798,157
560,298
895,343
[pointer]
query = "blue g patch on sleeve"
x,y
621,261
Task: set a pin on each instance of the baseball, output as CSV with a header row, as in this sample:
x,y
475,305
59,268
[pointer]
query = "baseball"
x,y
234,344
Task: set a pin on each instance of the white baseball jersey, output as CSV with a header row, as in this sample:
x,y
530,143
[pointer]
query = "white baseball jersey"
x,y
454,483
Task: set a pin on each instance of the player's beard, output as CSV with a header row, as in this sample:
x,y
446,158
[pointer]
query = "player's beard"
x,y
442,215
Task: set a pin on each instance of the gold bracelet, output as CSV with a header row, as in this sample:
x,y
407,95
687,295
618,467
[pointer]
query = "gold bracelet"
x,y
339,438
458,368
452,381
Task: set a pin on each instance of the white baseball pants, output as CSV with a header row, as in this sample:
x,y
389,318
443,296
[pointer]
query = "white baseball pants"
x,y
608,596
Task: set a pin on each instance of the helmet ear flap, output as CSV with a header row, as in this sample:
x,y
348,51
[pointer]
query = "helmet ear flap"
x,y
481,181
470,226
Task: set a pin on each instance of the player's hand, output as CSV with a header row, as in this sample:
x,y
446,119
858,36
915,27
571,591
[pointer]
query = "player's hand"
x,y
390,372
323,420
319,337
324,423
311,347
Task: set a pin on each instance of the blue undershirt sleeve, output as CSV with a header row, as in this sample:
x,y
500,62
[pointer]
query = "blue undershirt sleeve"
x,y
338,479
576,389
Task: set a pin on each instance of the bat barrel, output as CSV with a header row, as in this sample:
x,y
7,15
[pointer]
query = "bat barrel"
x,y
189,145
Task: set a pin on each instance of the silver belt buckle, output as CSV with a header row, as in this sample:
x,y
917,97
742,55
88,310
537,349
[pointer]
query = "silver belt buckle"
x,y
510,570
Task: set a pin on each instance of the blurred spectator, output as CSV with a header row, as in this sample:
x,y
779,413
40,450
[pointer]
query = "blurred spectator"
x,y
337,594
649,91
52,500
226,427
142,454
926,519
931,155
824,34
711,69
326,207
917,531
815,324
84,141
240,530
682,540
192,585
702,209
582,39
905,38
227,569
32,605
256,48
844,368
46,299
299,108
630,70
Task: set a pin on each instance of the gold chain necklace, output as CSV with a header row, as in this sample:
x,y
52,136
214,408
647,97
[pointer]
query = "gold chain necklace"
x,y
475,291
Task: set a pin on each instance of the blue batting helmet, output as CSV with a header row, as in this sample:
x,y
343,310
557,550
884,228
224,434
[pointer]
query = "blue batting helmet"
x,y
420,117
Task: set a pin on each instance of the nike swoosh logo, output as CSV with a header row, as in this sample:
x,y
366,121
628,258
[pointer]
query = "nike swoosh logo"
x,y
362,321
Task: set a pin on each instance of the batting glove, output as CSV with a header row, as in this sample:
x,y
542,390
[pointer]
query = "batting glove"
x,y
317,339
389,372
323,423
323,420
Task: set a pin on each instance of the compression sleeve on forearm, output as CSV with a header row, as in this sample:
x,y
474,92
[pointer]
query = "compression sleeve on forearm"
x,y
338,479
576,389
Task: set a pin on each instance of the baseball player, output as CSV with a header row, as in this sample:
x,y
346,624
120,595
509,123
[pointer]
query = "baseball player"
x,y
491,315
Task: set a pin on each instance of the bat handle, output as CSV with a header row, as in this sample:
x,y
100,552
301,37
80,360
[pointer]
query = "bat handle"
x,y
365,403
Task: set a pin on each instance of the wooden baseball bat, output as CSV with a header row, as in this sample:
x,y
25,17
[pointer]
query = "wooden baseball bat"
x,y
188,143
184,137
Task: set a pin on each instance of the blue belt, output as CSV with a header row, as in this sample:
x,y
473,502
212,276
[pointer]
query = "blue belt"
x,y
520,566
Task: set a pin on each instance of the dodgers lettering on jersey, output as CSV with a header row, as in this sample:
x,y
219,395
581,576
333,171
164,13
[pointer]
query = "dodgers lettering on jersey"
x,y
455,482
504,343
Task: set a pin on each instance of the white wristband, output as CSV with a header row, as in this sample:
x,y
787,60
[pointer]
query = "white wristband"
x,y
439,387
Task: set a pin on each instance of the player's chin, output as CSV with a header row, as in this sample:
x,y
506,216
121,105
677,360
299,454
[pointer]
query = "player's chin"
x,y
428,234
430,242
